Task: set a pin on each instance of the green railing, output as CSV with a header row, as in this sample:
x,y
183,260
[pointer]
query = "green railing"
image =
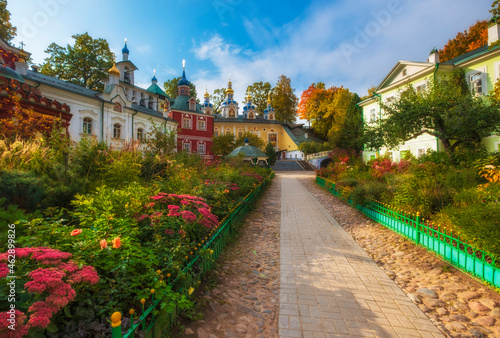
x,y
153,325
447,245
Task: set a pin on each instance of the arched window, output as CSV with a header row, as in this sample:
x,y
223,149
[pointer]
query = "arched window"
x,y
117,131
140,134
240,132
87,126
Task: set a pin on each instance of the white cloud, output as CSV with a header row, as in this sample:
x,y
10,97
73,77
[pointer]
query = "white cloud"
x,y
314,49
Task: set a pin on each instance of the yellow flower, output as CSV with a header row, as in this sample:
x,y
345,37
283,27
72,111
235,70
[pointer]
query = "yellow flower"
x,y
190,291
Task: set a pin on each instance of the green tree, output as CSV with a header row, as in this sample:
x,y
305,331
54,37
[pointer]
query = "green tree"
x,y
223,145
350,136
284,100
273,155
259,91
253,139
171,88
495,8
160,141
217,98
314,147
85,64
446,109
7,31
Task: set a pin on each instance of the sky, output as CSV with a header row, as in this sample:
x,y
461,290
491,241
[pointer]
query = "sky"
x,y
338,42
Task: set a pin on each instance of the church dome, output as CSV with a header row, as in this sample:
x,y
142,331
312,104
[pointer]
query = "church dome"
x,y
114,70
183,81
125,49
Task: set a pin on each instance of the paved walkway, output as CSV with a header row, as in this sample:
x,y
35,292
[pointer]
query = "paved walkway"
x,y
329,286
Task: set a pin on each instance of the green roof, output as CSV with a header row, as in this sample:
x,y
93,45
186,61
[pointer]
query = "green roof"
x,y
154,88
247,151
181,103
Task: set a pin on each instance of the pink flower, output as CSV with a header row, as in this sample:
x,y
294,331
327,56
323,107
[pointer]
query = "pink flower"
x,y
173,207
76,232
169,232
103,243
4,270
188,216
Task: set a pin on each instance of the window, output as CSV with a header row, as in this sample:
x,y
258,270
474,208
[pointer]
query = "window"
x,y
216,132
476,83
273,139
87,126
192,105
373,116
240,132
201,149
404,153
201,125
421,152
117,131
186,123
140,134
372,157
186,147
228,131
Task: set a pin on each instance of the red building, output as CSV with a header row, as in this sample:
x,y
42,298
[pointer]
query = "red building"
x,y
196,122
12,69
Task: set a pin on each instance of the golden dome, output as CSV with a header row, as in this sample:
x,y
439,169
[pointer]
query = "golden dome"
x,y
269,98
114,70
206,93
230,91
249,97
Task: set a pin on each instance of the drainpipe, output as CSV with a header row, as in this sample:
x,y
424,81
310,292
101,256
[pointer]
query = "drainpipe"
x,y
379,113
132,131
102,121
434,80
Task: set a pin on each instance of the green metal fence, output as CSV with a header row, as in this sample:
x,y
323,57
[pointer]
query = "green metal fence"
x,y
447,245
154,325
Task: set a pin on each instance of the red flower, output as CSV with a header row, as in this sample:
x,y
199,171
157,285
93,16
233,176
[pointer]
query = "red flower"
x,y
76,232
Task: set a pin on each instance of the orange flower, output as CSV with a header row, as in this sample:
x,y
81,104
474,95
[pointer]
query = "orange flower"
x,y
104,244
116,243
76,232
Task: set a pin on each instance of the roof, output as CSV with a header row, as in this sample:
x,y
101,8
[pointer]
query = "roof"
x,y
248,151
298,135
154,88
242,119
60,84
472,54
181,103
150,112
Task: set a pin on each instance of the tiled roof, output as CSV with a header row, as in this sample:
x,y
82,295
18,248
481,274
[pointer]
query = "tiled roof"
x,y
181,103
469,55
60,84
242,119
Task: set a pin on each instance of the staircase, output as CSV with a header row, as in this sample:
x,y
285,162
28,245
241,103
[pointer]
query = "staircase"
x,y
306,165
287,165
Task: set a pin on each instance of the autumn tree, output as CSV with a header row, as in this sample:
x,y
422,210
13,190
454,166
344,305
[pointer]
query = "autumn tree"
x,y
476,36
446,109
284,100
7,31
217,98
259,92
495,8
86,63
25,124
171,88
303,107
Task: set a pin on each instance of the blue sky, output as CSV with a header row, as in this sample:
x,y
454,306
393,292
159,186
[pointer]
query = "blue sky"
x,y
338,42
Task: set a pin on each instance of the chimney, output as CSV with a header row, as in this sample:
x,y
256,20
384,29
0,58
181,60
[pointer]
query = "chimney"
x,y
434,56
493,30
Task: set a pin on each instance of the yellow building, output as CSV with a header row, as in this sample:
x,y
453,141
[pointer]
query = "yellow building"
x,y
285,137
482,71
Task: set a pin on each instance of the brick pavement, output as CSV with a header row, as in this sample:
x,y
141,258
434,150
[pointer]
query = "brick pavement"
x,y
329,286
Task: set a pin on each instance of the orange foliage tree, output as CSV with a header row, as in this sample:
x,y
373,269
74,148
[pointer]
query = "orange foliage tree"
x,y
476,36
303,110
24,123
